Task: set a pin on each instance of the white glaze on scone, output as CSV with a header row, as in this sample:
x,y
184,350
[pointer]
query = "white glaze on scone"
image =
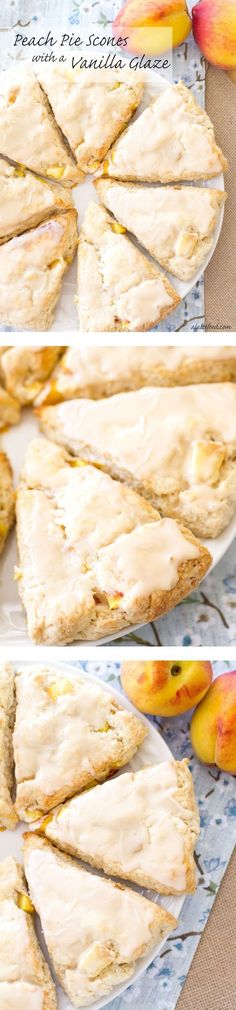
x,y
141,826
175,224
94,929
102,371
91,107
177,446
60,744
100,541
118,288
173,139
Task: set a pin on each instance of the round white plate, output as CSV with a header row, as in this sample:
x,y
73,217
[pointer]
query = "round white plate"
x,y
12,615
66,315
152,751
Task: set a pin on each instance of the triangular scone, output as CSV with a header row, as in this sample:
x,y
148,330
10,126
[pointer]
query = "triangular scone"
x,y
8,816
102,371
174,446
7,499
108,560
142,826
9,407
31,271
29,133
175,224
25,369
25,200
172,140
25,980
95,929
118,287
91,107
68,733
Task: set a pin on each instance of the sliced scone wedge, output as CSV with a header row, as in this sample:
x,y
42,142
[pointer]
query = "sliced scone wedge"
x,y
32,266
176,224
96,372
94,556
68,733
174,446
26,200
95,929
172,139
91,107
25,980
7,499
29,133
26,369
142,826
8,815
118,288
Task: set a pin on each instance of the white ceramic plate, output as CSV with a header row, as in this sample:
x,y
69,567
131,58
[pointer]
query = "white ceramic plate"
x,y
152,751
12,616
66,315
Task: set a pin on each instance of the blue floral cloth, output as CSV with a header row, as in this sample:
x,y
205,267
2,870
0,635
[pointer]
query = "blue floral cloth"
x,y
161,984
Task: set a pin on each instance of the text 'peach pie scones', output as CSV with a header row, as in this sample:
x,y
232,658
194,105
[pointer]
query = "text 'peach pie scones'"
x,y
175,224
108,560
173,139
91,107
8,816
176,446
102,371
29,133
95,929
118,287
25,980
32,266
142,826
67,734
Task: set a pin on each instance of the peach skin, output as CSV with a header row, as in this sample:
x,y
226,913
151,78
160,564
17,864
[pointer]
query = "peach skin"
x,y
213,726
138,19
166,688
214,30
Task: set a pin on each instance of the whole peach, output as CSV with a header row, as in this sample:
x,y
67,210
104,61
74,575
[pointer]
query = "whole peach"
x,y
213,726
166,688
137,19
214,30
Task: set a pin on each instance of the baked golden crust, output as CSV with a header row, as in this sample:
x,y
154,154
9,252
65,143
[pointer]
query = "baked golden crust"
x,y
67,734
85,585
24,963
7,499
142,827
9,406
118,288
112,926
172,140
8,816
32,266
91,107
97,372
